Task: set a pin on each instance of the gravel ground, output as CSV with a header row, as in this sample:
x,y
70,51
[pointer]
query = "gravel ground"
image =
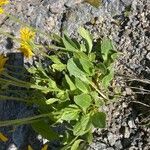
x,y
128,24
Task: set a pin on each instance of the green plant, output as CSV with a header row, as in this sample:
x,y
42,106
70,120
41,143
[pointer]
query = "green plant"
x,y
95,3
70,90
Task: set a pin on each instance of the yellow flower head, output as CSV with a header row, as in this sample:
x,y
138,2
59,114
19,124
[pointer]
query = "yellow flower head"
x,y
26,49
26,34
2,3
1,10
3,137
26,46
45,147
30,148
2,62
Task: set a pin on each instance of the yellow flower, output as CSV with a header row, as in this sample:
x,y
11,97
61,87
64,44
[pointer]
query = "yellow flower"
x,y
3,138
45,147
1,10
27,37
2,62
26,34
26,49
30,148
3,2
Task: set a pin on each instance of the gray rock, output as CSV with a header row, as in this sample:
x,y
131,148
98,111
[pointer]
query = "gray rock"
x,y
110,148
112,138
131,124
127,132
72,3
97,146
56,6
128,91
118,145
148,56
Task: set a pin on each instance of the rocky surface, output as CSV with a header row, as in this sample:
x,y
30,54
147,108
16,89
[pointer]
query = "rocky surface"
x,y
123,132
127,23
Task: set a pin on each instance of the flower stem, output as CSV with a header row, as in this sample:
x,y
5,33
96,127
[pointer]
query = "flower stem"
x,y
23,120
17,81
2,97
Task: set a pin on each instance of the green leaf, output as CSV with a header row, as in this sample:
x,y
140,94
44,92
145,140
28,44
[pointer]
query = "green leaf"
x,y
106,47
40,69
99,120
69,44
70,83
95,3
80,55
82,126
111,58
75,145
83,48
55,59
59,67
92,57
63,95
70,113
51,101
89,137
96,98
32,70
74,70
81,85
107,79
77,130
83,100
87,37
41,127
114,56
87,66
102,68
74,67
57,38
86,122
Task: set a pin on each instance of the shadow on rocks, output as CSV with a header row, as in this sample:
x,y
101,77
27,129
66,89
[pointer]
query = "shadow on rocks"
x,y
142,91
22,135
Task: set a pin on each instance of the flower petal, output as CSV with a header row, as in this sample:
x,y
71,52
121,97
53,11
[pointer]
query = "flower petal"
x,y
45,147
30,148
3,138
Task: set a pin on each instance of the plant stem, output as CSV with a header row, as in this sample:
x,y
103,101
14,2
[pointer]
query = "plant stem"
x,y
26,84
2,97
14,83
56,47
24,120
94,86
